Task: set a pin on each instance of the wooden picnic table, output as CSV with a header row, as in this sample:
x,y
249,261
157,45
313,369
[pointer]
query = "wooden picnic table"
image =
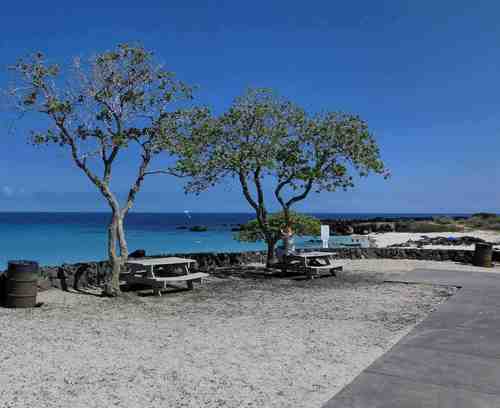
x,y
313,263
160,272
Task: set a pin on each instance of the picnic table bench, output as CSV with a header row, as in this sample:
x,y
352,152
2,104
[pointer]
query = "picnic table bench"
x,y
160,272
313,263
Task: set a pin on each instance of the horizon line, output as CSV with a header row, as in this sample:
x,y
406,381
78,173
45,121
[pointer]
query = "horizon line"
x,y
239,212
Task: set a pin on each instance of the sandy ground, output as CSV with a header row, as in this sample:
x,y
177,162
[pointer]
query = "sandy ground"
x,y
229,343
386,267
391,238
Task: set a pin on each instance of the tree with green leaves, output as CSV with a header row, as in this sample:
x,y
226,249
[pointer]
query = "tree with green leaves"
x,y
243,143
324,152
302,225
265,137
96,110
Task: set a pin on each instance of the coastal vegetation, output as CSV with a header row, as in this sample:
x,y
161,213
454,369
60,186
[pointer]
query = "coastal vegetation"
x,y
122,105
268,142
428,224
479,221
95,110
302,225
485,221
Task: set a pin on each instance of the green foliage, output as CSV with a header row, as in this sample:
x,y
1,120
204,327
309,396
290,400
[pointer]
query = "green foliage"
x,y
301,225
198,228
244,140
486,221
443,220
426,227
114,99
484,216
263,136
268,135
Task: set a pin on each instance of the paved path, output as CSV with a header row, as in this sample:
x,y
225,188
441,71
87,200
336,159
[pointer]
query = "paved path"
x,y
450,360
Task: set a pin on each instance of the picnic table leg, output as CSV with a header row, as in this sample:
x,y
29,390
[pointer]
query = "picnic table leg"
x,y
284,263
156,290
189,283
309,272
333,271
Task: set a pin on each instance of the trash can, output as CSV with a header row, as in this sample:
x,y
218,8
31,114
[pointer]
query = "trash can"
x,y
21,285
3,281
483,255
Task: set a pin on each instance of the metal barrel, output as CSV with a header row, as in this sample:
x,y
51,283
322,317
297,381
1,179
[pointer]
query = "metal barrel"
x,y
21,285
3,282
483,255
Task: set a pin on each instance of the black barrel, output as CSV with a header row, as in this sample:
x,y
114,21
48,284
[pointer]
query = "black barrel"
x,y
483,255
21,286
3,284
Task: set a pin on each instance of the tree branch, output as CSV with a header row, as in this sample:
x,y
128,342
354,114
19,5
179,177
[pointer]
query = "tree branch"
x,y
304,194
146,159
246,191
279,187
166,172
260,208
81,163
260,194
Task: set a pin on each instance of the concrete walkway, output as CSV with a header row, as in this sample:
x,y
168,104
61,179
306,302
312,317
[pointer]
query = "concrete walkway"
x,y
450,360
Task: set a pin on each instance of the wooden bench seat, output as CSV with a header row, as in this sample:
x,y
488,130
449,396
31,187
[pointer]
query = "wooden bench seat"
x,y
313,271
183,278
322,268
158,283
316,270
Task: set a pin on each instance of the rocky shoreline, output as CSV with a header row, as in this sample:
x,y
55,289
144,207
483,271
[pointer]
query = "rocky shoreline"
x,y
425,224
443,241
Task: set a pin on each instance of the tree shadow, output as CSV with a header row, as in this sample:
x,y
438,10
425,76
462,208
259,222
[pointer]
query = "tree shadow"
x,y
79,291
171,290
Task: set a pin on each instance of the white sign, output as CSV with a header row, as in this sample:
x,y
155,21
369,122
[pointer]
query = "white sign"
x,y
325,235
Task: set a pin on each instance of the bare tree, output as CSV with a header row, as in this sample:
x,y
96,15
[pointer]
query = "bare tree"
x,y
118,100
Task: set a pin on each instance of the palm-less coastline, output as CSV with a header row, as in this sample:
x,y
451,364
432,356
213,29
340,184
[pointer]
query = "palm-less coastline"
x,y
55,238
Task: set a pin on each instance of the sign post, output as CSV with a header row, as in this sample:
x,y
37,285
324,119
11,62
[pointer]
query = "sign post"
x,y
325,235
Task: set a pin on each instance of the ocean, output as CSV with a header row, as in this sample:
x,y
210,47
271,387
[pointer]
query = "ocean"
x,y
56,238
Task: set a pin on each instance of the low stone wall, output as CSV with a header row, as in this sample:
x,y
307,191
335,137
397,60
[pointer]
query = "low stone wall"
x,y
453,255
95,273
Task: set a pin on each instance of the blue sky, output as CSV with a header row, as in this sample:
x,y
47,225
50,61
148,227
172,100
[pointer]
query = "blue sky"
x,y
425,75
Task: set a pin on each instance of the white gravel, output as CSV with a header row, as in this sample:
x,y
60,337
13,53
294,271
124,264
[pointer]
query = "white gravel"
x,y
229,343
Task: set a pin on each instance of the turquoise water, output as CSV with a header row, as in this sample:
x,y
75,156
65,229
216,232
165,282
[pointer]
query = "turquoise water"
x,y
55,238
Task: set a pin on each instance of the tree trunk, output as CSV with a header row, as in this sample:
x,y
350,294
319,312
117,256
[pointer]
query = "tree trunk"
x,y
113,288
271,253
121,239
286,242
286,237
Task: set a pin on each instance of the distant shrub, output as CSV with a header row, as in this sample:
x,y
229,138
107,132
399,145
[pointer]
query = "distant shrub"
x,y
485,221
198,228
426,227
495,226
484,215
443,220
